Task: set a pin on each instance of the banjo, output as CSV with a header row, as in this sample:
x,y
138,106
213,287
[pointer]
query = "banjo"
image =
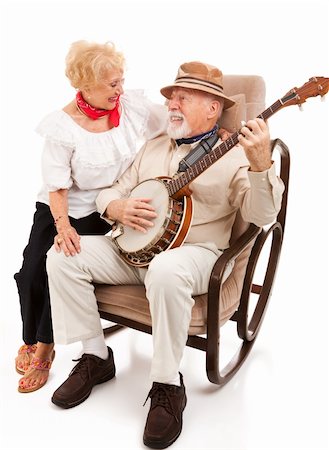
x,y
171,197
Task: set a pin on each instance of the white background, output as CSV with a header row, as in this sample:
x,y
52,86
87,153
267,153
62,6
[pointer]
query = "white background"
x,y
279,399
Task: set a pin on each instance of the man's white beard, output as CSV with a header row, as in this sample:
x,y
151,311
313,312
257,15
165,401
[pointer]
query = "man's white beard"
x,y
178,132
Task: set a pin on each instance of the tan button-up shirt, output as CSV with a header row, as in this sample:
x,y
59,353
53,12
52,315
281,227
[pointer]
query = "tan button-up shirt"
x,y
218,193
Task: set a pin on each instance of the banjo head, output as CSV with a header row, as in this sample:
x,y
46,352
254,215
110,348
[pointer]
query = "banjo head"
x,y
131,240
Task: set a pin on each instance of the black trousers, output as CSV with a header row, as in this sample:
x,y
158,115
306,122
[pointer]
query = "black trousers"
x,y
32,280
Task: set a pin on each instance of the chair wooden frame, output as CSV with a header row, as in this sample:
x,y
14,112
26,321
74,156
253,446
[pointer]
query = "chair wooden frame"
x,y
248,325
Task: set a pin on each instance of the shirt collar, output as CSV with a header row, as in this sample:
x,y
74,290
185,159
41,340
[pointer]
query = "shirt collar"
x,y
193,139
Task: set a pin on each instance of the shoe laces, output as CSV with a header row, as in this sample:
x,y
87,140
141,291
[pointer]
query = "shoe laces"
x,y
83,367
161,395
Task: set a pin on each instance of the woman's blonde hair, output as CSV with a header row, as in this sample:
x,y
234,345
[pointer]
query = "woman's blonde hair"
x,y
87,63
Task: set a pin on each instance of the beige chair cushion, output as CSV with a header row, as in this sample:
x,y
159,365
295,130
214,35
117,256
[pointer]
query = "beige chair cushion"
x,y
130,301
249,92
231,118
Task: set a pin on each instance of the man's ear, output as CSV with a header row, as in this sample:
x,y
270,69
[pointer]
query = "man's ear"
x,y
214,109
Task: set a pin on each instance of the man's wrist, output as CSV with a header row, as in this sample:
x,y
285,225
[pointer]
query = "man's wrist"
x,y
260,167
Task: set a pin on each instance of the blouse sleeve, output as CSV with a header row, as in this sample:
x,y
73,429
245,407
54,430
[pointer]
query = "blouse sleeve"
x,y
147,119
157,120
56,166
59,145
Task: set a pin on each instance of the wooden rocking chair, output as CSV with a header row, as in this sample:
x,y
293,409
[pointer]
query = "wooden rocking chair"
x,y
239,298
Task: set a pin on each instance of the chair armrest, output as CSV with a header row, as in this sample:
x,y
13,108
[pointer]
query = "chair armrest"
x,y
279,146
231,254
216,278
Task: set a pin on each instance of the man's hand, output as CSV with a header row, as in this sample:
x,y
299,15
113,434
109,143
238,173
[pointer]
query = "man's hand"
x,y
224,134
255,139
136,213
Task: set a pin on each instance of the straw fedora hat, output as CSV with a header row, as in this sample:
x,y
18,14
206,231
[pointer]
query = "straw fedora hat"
x,y
202,77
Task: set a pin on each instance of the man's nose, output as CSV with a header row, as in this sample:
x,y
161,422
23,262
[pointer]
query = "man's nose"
x,y
172,104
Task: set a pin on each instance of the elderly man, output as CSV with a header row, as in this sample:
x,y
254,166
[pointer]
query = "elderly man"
x,y
243,179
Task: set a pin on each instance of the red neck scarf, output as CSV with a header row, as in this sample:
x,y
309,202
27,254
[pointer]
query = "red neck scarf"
x,y
95,113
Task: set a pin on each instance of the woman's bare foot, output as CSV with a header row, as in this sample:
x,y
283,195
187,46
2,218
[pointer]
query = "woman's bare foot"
x,y
37,374
24,357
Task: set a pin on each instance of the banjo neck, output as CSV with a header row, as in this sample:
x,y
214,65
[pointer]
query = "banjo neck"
x,y
178,186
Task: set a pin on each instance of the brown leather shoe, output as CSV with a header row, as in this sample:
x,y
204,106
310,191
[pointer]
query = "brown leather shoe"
x,y
165,418
89,371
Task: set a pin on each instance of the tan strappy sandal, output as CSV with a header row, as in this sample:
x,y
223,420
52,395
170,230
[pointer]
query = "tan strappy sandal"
x,y
38,364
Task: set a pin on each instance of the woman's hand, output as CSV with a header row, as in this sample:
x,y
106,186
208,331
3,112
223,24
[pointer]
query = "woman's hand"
x,y
67,240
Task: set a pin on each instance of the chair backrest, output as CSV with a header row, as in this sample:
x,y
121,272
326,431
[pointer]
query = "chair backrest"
x,y
249,93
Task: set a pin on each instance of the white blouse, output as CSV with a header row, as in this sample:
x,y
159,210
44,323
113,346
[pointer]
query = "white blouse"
x,y
85,162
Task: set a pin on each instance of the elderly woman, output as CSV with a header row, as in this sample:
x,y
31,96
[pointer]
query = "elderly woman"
x,y
87,146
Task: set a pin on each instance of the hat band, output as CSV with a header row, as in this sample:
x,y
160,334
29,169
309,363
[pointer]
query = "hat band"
x,y
199,82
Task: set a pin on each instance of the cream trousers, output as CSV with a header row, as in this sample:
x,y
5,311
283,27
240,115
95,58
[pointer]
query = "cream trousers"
x,y
170,280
